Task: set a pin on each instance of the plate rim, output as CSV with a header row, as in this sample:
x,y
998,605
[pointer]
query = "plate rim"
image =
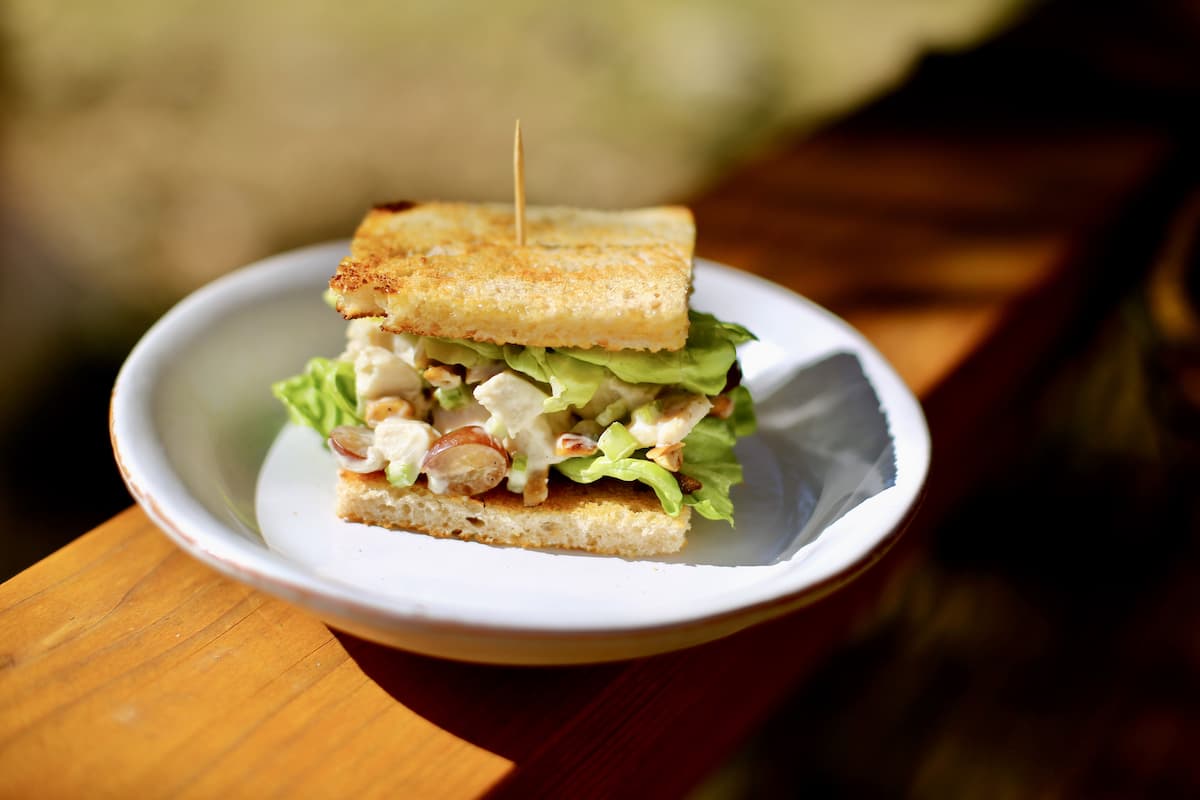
x,y
258,566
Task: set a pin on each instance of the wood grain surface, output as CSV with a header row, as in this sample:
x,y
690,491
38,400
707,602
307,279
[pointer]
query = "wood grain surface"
x,y
128,669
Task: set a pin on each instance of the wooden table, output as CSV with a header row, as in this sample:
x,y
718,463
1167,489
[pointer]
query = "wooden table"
x,y
127,669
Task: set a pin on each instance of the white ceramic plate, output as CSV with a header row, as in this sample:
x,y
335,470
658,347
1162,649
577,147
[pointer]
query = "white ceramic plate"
x,y
835,469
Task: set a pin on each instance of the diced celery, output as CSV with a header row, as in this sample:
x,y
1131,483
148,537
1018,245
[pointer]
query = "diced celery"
x,y
518,473
452,398
617,442
612,412
649,413
495,428
399,474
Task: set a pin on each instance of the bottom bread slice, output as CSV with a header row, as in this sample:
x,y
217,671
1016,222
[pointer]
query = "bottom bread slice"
x,y
609,516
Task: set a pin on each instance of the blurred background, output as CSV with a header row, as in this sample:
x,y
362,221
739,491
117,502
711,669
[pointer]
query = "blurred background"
x,y
147,148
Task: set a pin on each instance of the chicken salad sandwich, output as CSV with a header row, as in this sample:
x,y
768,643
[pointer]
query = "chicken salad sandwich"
x,y
554,393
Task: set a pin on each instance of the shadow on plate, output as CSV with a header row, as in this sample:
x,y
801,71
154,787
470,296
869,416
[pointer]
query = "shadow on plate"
x,y
823,447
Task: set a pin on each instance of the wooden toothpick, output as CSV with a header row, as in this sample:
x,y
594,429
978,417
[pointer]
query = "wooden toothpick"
x,y
519,184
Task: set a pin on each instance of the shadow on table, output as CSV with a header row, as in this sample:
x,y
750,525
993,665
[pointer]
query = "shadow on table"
x,y
482,704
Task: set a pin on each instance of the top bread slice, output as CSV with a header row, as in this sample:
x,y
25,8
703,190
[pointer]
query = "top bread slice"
x,y
584,278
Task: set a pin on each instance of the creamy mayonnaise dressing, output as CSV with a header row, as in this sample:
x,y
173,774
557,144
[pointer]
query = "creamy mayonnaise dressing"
x,y
392,374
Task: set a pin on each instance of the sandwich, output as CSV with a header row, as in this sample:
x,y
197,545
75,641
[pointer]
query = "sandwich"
x,y
554,394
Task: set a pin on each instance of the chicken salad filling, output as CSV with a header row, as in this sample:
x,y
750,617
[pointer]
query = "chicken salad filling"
x,y
467,417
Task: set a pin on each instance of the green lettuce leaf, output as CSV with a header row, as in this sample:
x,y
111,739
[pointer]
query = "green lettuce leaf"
x,y
708,457
572,382
588,470
322,397
743,418
575,374
701,366
617,442
460,351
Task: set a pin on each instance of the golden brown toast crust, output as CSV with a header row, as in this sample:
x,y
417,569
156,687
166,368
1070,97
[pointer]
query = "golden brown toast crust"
x,y
611,279
609,516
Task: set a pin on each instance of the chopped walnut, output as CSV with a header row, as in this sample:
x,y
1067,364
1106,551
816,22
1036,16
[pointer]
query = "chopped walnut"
x,y
722,406
376,411
688,484
537,487
442,377
667,456
575,444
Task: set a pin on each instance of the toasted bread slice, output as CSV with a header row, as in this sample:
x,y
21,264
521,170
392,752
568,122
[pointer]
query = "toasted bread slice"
x,y
610,517
611,279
